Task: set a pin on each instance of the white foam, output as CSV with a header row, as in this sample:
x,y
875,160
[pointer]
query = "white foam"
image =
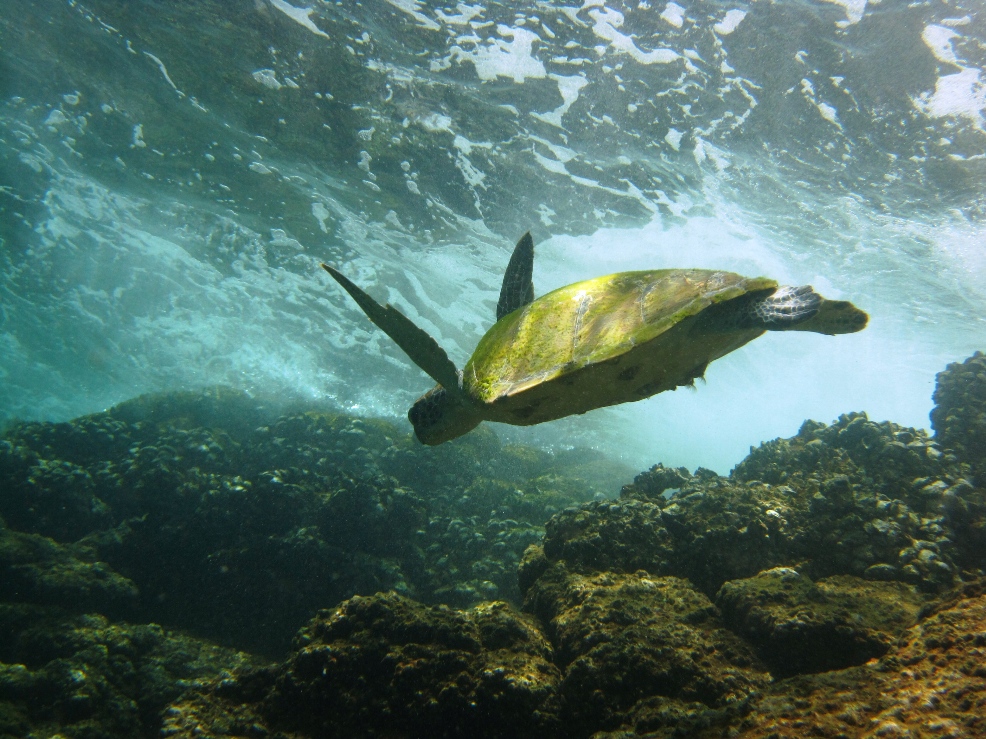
x,y
826,111
552,165
299,16
730,22
137,137
962,95
267,78
605,23
939,40
854,11
568,87
56,118
674,14
321,214
473,176
497,57
413,9
466,14
435,123
164,71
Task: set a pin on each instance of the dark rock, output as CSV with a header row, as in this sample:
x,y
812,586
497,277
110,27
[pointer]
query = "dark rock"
x,y
658,481
82,676
532,566
239,523
624,638
931,683
959,415
387,665
621,536
35,569
799,626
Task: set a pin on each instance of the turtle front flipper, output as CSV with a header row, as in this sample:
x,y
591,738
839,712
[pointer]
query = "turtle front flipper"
x,y
518,284
423,350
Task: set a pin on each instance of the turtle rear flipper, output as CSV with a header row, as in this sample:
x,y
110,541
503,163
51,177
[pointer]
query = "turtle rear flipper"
x,y
784,309
423,350
802,309
835,317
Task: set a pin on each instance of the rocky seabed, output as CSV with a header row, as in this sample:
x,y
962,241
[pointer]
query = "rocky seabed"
x,y
208,564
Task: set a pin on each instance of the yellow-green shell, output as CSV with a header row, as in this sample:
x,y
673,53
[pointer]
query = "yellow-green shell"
x,y
603,341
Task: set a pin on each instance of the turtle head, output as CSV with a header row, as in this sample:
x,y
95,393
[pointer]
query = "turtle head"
x,y
439,416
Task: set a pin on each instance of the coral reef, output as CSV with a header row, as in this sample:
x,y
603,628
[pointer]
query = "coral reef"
x,y
646,657
34,569
384,665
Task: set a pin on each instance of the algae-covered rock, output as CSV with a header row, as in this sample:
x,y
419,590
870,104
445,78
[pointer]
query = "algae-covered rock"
x,y
859,498
387,665
931,684
35,569
959,415
716,529
238,519
880,456
799,626
622,536
83,676
625,638
52,497
905,492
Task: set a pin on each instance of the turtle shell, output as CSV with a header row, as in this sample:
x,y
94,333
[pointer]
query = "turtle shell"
x,y
604,341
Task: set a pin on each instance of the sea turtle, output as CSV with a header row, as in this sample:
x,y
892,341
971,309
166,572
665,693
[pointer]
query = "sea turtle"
x,y
600,342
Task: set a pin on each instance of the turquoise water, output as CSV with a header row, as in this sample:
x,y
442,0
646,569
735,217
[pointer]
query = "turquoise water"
x,y
171,174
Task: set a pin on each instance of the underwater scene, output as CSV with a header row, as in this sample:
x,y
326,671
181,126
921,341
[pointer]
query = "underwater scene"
x,y
406,368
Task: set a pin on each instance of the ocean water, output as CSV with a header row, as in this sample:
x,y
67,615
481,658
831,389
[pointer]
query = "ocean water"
x,y
171,174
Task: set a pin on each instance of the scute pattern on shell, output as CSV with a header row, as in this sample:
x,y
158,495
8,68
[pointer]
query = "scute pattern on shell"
x,y
591,322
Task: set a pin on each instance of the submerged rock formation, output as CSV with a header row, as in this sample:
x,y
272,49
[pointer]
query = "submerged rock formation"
x,y
84,676
623,641
831,585
799,626
959,416
874,500
239,520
